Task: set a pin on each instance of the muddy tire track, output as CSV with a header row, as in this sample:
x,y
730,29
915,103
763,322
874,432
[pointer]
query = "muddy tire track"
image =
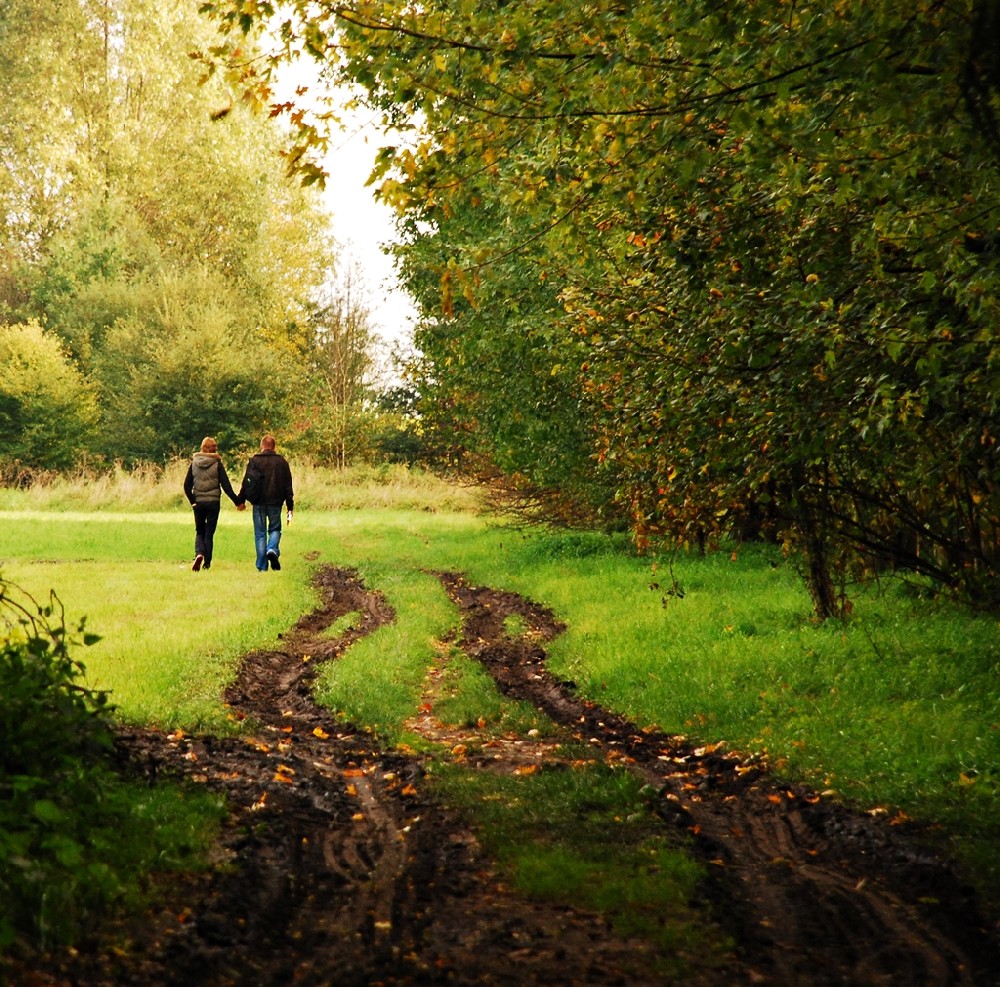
x,y
813,892
334,868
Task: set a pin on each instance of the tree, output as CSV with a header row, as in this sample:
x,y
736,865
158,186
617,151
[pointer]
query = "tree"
x,y
137,205
46,408
341,371
771,227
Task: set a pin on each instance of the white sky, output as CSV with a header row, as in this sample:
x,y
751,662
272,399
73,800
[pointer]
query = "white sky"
x,y
359,223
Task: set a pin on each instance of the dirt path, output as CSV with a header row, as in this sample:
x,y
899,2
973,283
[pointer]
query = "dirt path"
x,y
336,868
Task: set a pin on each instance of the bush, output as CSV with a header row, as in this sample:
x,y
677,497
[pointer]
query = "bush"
x,y
47,410
55,746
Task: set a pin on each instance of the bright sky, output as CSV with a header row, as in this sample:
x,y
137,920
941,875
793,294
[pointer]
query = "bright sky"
x,y
361,225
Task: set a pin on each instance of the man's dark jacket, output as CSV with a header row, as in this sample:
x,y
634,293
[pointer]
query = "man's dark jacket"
x,y
277,480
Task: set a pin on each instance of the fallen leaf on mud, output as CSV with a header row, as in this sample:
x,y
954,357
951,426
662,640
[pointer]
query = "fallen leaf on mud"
x,y
284,769
527,769
287,729
354,773
191,756
263,748
358,817
307,658
481,723
708,748
259,804
459,750
776,799
352,790
408,790
321,733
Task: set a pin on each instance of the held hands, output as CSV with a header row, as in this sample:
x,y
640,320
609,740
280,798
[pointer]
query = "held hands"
x,y
288,518
241,507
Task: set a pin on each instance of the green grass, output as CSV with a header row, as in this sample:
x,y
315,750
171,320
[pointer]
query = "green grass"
x,y
898,707
170,638
585,837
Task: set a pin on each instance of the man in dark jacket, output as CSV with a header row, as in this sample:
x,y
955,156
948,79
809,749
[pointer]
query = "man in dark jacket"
x,y
267,484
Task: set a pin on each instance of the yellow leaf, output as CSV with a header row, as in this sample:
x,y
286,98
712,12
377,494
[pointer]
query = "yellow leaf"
x,y
321,733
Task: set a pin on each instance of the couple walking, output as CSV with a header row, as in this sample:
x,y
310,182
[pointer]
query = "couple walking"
x,y
267,485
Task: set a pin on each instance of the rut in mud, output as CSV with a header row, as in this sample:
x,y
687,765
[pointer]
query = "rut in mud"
x,y
338,869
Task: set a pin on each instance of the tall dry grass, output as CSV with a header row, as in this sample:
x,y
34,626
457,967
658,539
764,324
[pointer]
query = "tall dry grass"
x,y
151,487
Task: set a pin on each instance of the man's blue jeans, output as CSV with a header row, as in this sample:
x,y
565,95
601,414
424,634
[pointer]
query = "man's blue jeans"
x,y
266,532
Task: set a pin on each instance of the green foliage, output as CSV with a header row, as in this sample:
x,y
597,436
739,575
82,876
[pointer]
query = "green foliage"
x,y
46,408
706,268
75,841
164,387
146,222
55,742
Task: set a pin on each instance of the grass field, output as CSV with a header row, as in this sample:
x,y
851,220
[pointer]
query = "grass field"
x,y
897,708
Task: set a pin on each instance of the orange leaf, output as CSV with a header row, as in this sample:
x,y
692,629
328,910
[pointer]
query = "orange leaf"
x,y
321,733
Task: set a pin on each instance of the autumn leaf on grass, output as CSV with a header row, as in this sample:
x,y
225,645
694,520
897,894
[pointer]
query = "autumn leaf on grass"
x,y
408,790
526,769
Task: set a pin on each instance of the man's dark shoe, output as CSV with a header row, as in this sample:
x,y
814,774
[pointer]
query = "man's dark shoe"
x,y
272,557
196,565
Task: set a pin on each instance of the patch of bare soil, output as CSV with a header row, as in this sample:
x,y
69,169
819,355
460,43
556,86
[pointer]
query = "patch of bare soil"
x,y
336,868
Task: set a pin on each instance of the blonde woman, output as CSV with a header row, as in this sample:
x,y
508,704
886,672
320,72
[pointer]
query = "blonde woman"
x,y
204,485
